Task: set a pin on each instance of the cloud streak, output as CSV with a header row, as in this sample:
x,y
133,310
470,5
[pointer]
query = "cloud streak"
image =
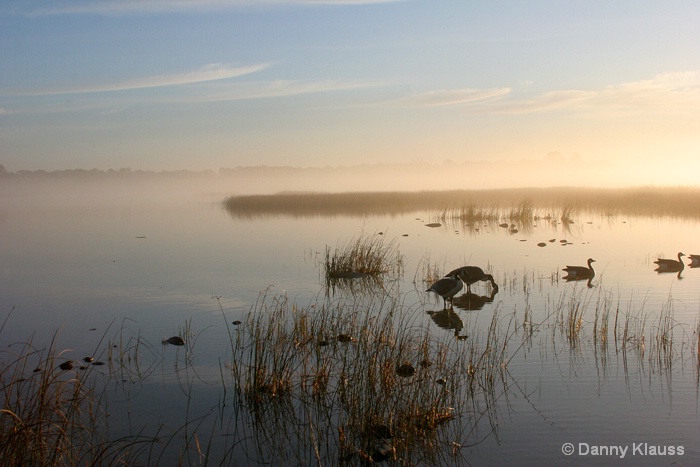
x,y
211,72
668,93
450,97
69,7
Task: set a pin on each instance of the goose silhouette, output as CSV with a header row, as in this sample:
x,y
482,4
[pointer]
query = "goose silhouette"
x,y
577,273
670,265
447,287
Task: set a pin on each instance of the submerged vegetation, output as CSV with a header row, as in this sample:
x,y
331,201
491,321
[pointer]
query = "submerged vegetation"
x,y
479,205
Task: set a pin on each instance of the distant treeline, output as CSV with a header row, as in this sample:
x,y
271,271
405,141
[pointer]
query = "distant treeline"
x,y
93,174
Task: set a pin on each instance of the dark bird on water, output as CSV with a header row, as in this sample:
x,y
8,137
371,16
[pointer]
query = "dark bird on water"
x,y
670,265
473,274
580,272
447,287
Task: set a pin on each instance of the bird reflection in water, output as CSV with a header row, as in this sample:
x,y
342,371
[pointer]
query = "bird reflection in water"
x,y
471,302
447,319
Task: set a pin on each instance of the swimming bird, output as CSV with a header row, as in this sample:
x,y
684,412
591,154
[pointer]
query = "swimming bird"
x,y
694,261
579,272
447,287
670,265
473,274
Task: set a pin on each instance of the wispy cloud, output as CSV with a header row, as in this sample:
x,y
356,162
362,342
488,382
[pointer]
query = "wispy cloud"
x,y
668,93
450,97
271,89
211,72
123,7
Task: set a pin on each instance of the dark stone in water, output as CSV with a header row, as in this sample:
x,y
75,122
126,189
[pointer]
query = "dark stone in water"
x,y
67,365
175,340
405,370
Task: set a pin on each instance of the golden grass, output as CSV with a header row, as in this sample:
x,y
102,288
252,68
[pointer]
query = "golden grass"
x,y
364,256
350,383
561,203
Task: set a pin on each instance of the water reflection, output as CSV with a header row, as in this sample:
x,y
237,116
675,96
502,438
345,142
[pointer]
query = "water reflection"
x,y
471,302
447,319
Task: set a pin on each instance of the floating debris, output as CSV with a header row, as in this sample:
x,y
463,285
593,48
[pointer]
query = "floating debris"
x,y
175,340
67,365
405,370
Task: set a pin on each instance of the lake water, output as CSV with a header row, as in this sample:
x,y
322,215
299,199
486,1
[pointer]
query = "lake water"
x,y
96,271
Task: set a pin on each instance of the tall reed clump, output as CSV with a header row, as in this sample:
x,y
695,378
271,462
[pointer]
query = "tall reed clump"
x,y
51,413
364,256
360,381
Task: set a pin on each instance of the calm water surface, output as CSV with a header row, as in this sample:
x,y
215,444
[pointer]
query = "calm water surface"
x,y
98,271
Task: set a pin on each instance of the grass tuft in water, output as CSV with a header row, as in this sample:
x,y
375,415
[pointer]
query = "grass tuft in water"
x,y
364,256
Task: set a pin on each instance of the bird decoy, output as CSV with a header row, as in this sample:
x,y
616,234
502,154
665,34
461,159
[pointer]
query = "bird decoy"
x,y
473,274
670,265
577,273
694,261
447,287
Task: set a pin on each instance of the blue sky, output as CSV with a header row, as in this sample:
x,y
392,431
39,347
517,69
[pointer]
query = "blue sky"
x,y
207,84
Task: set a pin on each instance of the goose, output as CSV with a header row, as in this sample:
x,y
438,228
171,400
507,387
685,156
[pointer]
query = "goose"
x,y
580,272
447,287
694,261
670,265
473,274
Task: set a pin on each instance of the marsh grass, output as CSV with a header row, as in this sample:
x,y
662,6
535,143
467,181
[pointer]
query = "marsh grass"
x,y
53,412
351,382
364,256
473,206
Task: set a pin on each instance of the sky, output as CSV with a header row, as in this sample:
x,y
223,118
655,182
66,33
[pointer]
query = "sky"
x,y
203,84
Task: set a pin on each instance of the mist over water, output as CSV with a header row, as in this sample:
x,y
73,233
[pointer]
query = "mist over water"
x,y
95,260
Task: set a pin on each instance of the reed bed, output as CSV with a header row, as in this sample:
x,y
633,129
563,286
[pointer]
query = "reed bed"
x,y
362,381
561,203
54,413
364,256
